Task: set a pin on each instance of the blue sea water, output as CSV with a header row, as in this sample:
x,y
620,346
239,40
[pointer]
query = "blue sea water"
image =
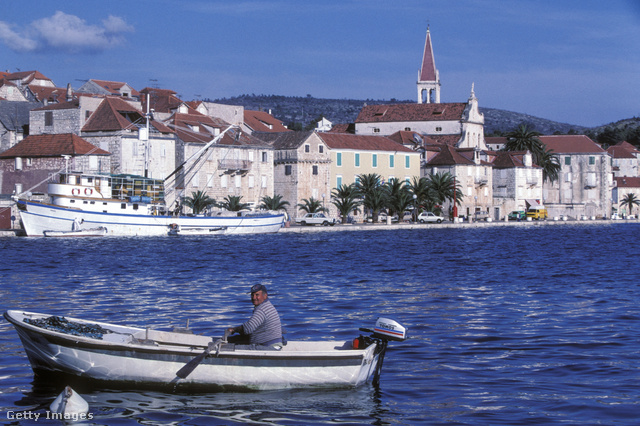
x,y
515,325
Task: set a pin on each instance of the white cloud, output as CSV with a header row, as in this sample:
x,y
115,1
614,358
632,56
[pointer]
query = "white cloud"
x,y
65,33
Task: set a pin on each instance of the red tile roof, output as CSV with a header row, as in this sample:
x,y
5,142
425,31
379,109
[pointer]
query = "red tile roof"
x,y
627,182
449,156
160,100
260,121
618,151
411,112
114,113
571,144
114,86
361,142
51,94
52,146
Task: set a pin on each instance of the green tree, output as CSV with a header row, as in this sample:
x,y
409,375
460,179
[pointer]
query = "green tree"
x,y
419,187
346,200
441,188
233,203
550,165
199,201
630,200
274,203
373,196
399,197
524,139
311,206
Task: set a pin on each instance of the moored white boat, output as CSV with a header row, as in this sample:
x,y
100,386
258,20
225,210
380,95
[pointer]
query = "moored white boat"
x,y
129,356
130,206
100,231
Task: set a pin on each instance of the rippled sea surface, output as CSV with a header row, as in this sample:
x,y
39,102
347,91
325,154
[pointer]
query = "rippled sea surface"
x,y
508,325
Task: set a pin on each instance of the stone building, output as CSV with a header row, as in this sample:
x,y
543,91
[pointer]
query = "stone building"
x,y
14,122
585,181
236,164
302,168
625,159
517,183
29,165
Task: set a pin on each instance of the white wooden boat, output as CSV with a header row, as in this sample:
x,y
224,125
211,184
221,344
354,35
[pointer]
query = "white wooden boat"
x,y
128,205
100,231
128,356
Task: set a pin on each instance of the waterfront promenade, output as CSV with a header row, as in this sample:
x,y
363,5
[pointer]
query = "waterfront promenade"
x,y
481,224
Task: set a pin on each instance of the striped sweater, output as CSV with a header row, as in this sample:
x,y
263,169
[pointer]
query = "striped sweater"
x,y
264,325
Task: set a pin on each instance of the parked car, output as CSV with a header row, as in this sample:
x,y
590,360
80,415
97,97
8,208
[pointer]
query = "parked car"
x,y
517,215
315,219
478,216
429,217
537,212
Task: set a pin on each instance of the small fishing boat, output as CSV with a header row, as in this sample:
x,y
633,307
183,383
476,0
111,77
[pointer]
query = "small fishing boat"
x,y
100,231
121,356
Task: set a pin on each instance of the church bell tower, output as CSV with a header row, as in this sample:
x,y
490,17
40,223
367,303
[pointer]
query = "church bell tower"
x,y
428,77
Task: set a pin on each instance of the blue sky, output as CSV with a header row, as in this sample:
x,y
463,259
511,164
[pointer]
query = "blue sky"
x,y
571,61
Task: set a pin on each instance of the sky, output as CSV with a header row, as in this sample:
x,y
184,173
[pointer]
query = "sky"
x,y
572,61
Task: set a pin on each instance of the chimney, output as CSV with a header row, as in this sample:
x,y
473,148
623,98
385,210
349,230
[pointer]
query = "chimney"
x,y
69,92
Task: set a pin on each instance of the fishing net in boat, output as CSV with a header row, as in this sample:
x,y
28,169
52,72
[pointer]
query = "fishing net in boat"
x,y
62,325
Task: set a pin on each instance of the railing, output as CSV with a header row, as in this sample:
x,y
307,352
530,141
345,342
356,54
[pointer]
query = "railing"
x,y
234,164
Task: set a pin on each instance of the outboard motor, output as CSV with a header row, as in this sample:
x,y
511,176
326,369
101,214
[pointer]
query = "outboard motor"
x,y
384,331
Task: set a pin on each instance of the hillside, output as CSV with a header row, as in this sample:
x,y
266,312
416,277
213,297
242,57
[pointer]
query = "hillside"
x,y
301,112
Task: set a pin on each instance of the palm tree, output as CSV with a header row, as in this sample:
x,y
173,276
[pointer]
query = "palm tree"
x,y
630,200
375,201
419,188
199,201
346,200
311,206
233,204
525,139
369,187
274,203
441,187
399,198
550,165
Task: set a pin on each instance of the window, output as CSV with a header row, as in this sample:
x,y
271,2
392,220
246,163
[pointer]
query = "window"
x,y
391,161
224,181
407,129
307,148
194,182
407,162
339,181
48,118
374,160
592,161
264,181
251,156
252,182
238,181
315,170
287,170
357,160
339,159
265,157
438,129
376,130
18,163
567,161
210,180
320,149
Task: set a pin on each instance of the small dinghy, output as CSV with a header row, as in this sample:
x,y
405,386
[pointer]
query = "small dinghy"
x,y
100,231
119,356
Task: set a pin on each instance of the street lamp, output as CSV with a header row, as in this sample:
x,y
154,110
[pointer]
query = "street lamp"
x,y
323,195
415,208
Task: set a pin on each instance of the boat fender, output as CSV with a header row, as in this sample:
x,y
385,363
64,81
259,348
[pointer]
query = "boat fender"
x,y
88,191
70,404
75,191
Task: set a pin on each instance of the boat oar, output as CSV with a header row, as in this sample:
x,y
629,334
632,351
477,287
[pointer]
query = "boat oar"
x,y
191,365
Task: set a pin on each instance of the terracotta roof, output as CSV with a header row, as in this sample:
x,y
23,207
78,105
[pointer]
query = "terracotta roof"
x,y
260,121
113,113
627,182
196,127
449,156
343,128
428,69
451,140
411,112
114,86
407,138
627,145
571,144
160,100
495,140
618,151
26,77
51,94
361,142
63,104
52,146
508,160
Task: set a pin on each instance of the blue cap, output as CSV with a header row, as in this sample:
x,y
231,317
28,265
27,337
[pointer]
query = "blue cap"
x,y
258,287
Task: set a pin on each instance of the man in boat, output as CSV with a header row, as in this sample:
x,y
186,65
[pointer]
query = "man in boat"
x,y
263,329
76,224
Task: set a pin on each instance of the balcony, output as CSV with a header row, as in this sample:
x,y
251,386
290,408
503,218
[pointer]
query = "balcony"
x,y
235,165
481,181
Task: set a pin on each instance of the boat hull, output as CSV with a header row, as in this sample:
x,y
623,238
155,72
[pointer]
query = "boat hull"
x,y
40,217
135,357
